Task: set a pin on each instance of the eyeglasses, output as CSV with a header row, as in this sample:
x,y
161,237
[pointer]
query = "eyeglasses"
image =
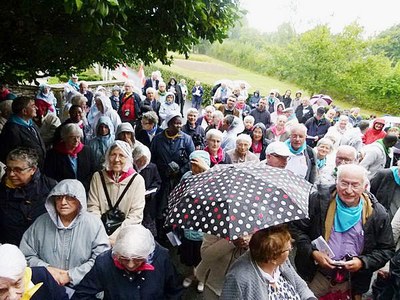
x,y
279,156
16,170
66,197
344,160
346,185
126,260
288,250
290,247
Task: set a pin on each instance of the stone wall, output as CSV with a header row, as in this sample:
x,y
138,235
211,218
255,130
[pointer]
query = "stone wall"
x,y
58,89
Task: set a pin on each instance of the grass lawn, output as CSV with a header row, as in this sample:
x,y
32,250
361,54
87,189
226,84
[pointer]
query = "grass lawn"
x,y
210,70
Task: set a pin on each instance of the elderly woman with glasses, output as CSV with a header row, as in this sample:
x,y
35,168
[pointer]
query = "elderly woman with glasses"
x,y
119,187
149,128
241,153
217,154
136,268
23,190
67,239
265,271
70,158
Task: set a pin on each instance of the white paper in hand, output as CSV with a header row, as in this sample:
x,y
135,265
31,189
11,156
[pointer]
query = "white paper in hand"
x,y
323,246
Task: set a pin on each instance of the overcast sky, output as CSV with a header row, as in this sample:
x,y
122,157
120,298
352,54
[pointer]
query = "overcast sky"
x,y
374,16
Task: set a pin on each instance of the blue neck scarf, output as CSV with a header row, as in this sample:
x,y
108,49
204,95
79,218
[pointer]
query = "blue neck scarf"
x,y
346,217
395,171
18,120
321,163
298,151
73,84
150,132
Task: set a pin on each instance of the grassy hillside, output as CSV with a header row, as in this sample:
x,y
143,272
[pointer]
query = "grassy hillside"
x,y
209,70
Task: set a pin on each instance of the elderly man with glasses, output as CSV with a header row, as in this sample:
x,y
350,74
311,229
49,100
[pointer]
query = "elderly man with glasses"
x,y
345,155
23,190
357,232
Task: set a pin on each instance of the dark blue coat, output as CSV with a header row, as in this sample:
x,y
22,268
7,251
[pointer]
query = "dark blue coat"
x,y
162,283
15,135
316,128
261,117
20,207
58,166
50,290
197,134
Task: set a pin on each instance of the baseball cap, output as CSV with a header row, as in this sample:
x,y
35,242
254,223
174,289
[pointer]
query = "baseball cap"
x,y
279,148
320,111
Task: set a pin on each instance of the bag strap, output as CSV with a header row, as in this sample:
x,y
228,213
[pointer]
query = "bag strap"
x,y
110,206
124,191
103,182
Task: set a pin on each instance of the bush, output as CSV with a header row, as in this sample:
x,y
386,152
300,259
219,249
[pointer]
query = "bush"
x,y
88,75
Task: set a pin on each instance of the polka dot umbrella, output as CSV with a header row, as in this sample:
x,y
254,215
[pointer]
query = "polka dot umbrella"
x,y
234,200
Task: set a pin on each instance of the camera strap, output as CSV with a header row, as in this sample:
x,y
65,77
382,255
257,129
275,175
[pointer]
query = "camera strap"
x,y
103,182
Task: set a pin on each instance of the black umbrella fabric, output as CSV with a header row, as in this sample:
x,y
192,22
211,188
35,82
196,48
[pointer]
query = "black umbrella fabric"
x,y
235,200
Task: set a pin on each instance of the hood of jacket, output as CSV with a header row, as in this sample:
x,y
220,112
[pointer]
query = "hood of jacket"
x,y
379,120
167,94
106,102
70,187
106,121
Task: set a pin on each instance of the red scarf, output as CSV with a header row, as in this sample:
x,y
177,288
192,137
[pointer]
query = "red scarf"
x,y
61,148
209,121
257,148
143,267
277,132
240,105
220,156
123,174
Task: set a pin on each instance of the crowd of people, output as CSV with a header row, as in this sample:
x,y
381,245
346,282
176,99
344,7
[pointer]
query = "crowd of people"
x,y
85,189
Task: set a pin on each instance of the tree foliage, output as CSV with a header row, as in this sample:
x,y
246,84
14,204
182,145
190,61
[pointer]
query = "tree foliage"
x,y
388,42
49,37
343,65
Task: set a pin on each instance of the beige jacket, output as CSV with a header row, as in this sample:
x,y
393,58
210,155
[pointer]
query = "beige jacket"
x,y
217,254
132,204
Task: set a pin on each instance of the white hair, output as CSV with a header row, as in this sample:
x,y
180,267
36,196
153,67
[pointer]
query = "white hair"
x,y
150,89
354,170
209,108
301,127
249,118
69,129
243,138
191,111
213,133
134,241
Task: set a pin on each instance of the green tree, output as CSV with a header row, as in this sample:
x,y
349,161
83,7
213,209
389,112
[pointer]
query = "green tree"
x,y
45,37
388,42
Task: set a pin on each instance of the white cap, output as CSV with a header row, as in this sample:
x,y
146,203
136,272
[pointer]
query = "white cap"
x,y
279,148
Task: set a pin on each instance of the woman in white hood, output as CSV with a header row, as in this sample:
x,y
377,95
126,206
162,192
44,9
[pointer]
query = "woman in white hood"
x,y
104,107
167,108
